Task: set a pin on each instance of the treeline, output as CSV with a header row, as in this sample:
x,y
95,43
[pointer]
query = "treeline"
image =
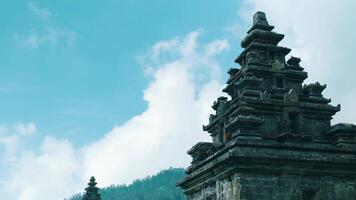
x,y
161,186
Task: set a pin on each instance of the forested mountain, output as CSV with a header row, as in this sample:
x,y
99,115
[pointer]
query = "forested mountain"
x,y
161,186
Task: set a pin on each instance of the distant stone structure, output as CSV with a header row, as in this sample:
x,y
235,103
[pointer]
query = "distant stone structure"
x,y
272,139
92,192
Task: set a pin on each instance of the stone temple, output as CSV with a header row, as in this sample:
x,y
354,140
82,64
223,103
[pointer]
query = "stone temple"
x,y
91,192
272,138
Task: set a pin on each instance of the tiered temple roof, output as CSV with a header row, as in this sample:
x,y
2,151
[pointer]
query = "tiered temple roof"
x,y
267,98
270,117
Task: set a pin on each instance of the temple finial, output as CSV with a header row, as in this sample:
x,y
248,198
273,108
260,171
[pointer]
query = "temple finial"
x,y
260,22
260,17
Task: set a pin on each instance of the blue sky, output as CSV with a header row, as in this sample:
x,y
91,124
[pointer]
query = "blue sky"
x,y
88,78
120,89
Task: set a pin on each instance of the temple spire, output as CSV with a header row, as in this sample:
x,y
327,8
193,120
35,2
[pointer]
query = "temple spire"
x,y
92,192
261,44
260,22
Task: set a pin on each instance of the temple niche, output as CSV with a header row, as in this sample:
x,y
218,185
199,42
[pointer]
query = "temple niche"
x,y
272,138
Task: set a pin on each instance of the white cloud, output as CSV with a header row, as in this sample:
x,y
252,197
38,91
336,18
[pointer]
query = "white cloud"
x,y
12,136
158,138
48,33
43,13
50,36
11,144
49,174
321,33
26,129
43,173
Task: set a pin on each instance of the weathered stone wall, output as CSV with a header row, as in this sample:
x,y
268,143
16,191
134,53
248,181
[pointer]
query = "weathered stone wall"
x,y
270,187
315,126
206,193
228,188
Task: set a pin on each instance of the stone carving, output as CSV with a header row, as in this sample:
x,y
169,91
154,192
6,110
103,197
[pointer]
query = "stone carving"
x,y
277,65
253,57
272,139
291,96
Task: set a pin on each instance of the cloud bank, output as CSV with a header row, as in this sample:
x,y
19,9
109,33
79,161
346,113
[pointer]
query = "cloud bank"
x,y
12,137
177,107
184,83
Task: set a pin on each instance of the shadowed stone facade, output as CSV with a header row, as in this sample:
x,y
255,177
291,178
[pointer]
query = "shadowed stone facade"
x,y
272,139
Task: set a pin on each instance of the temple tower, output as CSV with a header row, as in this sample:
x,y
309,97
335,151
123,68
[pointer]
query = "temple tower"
x,y
92,192
272,138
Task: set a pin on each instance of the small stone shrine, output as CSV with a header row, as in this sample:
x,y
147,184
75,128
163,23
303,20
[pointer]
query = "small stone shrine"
x,y
272,138
92,192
